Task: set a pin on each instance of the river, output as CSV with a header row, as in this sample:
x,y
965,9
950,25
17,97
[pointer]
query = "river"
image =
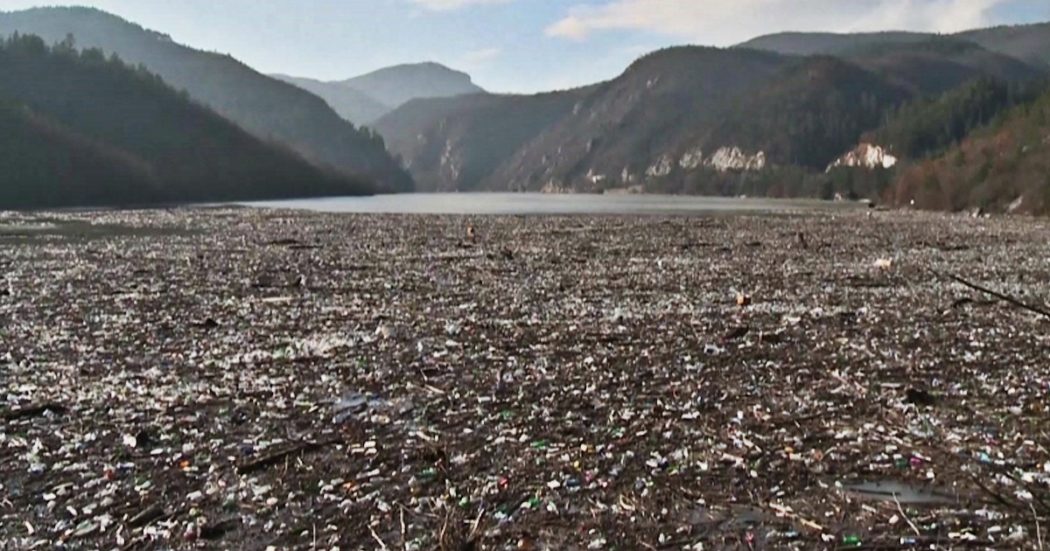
x,y
540,204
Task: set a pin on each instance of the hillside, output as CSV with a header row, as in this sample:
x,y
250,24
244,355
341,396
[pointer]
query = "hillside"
x,y
365,99
804,44
928,126
641,123
1003,167
808,113
936,65
84,129
457,143
266,107
45,164
676,120
398,85
353,105
1028,43
694,119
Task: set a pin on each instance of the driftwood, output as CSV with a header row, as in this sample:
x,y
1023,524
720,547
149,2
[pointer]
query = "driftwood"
x,y
34,410
998,295
146,516
277,456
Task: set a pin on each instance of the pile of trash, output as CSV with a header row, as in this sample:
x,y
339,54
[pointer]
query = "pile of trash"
x,y
238,378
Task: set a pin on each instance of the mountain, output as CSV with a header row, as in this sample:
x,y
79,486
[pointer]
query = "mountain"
x,y
455,144
1002,167
1028,43
639,126
46,165
929,125
809,112
935,65
364,99
82,129
396,86
266,107
695,119
679,120
805,44
353,105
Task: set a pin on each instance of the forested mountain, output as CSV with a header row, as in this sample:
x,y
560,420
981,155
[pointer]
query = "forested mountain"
x,y
630,129
266,107
83,129
878,115
364,99
809,113
1028,43
816,43
1003,167
936,65
683,119
353,105
457,143
398,85
929,125
45,165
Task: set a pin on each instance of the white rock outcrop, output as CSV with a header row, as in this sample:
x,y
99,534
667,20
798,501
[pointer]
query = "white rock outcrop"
x,y
692,159
865,155
734,158
595,178
661,168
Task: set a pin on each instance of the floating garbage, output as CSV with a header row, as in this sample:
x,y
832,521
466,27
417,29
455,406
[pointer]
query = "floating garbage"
x,y
236,378
907,494
355,403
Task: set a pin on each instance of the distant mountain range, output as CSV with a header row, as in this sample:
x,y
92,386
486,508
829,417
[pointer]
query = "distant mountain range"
x,y
364,99
770,117
1027,43
268,108
78,129
889,116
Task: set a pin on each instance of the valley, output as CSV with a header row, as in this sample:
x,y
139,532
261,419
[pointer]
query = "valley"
x,y
811,115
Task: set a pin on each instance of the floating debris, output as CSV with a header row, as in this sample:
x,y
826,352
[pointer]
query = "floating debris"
x,y
244,379
906,494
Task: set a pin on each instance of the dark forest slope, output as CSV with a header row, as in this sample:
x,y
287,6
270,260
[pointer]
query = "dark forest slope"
x,y
266,107
154,143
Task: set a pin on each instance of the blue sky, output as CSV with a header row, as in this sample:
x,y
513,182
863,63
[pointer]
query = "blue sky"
x,y
518,45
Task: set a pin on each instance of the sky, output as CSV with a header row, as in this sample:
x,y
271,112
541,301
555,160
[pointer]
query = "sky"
x,y
518,45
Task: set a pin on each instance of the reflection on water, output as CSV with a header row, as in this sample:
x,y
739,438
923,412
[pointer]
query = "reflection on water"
x,y
538,203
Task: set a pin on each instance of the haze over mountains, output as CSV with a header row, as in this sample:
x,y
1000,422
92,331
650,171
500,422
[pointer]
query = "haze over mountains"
x,y
364,99
792,114
266,107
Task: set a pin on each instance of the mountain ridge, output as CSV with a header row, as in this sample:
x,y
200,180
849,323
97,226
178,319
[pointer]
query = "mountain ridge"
x,y
366,98
683,119
103,133
1027,42
268,108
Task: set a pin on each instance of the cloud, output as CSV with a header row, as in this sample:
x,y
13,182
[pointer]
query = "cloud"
x,y
726,22
449,5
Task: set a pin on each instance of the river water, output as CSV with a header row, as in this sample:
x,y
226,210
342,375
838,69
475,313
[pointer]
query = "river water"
x,y
539,203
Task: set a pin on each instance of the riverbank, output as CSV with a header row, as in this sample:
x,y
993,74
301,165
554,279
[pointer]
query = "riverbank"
x,y
247,378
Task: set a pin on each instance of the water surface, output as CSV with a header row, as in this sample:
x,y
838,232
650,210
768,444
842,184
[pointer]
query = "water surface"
x,y
539,203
